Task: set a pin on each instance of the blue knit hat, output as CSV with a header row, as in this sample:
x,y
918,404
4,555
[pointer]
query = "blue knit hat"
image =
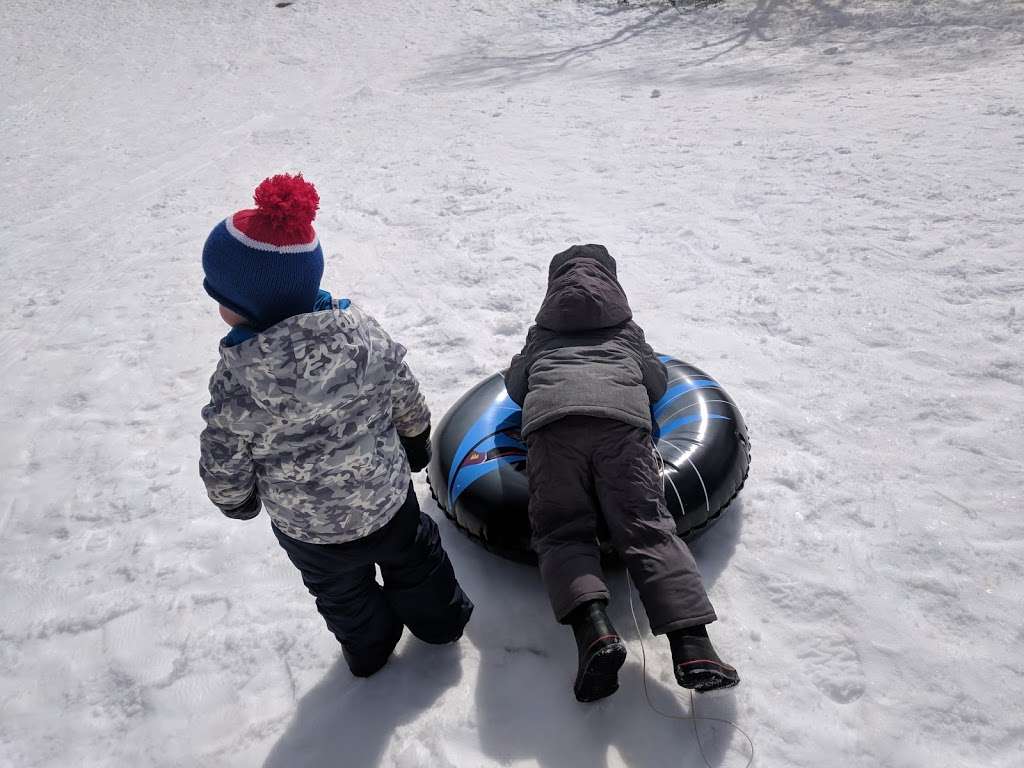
x,y
265,263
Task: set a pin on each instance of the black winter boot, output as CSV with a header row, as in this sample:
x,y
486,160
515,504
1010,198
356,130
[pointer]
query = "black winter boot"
x,y
696,664
601,652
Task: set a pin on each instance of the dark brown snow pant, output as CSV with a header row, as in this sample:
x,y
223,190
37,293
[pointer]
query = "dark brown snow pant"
x,y
583,466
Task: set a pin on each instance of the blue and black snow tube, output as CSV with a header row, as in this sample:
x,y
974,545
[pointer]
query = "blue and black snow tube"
x,y
478,470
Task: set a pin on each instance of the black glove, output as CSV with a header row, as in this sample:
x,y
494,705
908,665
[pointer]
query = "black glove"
x,y
247,510
417,449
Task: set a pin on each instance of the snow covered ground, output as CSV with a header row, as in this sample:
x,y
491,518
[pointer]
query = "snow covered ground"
x,y
821,203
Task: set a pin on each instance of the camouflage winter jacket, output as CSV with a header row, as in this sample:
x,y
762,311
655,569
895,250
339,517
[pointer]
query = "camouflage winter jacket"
x,y
306,415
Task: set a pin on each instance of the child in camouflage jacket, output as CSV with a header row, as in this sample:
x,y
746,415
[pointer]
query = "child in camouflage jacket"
x,y
314,415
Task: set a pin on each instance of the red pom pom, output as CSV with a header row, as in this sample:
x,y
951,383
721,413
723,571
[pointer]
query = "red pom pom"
x,y
288,203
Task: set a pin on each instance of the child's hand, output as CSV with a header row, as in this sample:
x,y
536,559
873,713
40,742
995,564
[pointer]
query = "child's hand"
x,y
417,449
247,510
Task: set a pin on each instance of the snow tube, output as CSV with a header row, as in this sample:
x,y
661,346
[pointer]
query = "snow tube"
x,y
478,471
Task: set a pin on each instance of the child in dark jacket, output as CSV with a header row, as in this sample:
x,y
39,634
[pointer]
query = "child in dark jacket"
x,y
586,380
315,415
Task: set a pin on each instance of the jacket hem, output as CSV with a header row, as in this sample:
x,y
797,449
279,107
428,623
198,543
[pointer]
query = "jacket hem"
x,y
599,411
288,528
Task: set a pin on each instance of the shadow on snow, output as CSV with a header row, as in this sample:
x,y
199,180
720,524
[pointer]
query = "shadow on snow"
x,y
722,29
525,663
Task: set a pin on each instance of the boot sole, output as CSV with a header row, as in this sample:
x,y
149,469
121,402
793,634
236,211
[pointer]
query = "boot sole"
x,y
601,676
705,678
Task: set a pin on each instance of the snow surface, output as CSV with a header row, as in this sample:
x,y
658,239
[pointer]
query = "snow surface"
x,y
819,202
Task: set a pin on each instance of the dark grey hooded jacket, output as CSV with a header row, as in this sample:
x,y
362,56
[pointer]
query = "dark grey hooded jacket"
x,y
585,355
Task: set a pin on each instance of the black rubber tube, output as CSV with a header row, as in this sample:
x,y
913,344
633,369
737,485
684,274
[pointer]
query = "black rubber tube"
x,y
478,470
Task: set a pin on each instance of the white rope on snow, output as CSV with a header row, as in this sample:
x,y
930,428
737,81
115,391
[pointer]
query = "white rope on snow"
x,y
693,717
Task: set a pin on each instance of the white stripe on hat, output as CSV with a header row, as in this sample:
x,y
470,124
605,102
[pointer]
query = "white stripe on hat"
x,y
260,246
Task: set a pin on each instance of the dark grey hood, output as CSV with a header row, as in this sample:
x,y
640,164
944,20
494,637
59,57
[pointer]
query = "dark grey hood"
x,y
583,292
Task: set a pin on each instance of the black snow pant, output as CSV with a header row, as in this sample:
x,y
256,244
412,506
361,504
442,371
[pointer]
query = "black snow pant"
x,y
420,589
581,467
